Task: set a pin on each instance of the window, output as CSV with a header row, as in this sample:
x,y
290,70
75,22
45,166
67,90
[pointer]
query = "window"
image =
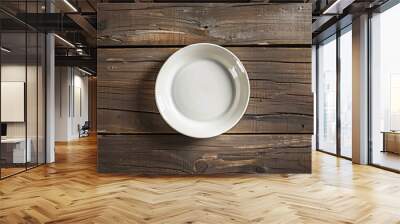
x,y
335,74
385,89
326,100
346,92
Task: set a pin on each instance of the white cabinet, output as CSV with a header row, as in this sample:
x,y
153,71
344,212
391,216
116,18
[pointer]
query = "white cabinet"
x,y
19,155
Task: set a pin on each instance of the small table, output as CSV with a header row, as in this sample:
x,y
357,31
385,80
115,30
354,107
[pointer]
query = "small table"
x,y
391,141
16,147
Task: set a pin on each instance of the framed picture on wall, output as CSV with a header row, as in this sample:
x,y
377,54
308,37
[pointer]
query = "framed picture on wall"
x,y
12,101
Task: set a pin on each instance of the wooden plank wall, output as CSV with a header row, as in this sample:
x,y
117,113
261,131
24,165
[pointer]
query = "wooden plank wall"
x,y
92,87
273,42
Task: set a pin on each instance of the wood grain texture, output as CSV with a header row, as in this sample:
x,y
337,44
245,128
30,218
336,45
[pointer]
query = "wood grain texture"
x,y
175,154
272,41
391,142
218,1
280,80
186,23
214,1
92,98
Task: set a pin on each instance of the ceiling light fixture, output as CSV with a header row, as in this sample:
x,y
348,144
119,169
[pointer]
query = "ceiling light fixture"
x,y
337,7
70,5
5,50
65,41
84,71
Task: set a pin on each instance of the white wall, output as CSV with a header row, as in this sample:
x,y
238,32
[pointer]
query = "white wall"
x,y
13,72
17,73
62,82
80,111
33,126
9,73
71,102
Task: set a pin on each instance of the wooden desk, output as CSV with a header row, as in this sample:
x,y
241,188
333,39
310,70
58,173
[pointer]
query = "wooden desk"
x,y
13,150
391,142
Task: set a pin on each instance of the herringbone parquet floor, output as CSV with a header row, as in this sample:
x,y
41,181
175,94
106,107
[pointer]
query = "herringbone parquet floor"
x,y
70,191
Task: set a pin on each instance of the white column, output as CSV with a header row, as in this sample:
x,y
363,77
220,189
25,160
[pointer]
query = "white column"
x,y
50,99
314,91
50,93
360,90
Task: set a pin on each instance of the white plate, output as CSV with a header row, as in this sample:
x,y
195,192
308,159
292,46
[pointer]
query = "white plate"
x,y
202,90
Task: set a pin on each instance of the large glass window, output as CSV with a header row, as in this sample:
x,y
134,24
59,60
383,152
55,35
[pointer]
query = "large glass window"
x,y
385,88
326,59
346,92
334,63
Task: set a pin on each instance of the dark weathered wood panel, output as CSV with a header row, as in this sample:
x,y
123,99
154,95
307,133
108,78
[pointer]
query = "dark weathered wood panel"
x,y
187,23
281,99
274,136
131,122
219,1
176,154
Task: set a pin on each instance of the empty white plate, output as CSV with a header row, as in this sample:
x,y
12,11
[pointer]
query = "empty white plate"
x,y
202,90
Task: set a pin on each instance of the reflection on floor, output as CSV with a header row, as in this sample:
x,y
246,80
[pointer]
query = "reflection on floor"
x,y
71,191
9,170
386,159
346,152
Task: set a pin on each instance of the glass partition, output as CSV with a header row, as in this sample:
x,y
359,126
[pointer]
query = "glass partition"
x,y
32,97
385,89
22,88
326,100
14,153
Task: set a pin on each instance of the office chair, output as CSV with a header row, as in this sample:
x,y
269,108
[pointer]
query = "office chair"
x,y
84,130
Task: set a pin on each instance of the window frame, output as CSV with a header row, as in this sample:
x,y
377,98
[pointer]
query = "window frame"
x,y
338,33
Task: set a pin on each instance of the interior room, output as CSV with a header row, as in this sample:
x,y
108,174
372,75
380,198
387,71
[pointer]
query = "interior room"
x,y
215,111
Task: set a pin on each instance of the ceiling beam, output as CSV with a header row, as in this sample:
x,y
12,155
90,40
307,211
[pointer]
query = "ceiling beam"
x,y
86,27
79,61
49,22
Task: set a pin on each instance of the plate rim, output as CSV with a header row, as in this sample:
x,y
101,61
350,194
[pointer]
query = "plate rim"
x,y
171,57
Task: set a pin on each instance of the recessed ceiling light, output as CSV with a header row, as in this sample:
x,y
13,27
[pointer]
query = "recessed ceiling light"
x,y
70,5
65,41
337,7
84,71
5,50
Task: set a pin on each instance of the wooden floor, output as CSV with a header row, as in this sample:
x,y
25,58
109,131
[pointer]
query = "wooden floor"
x,y
70,191
5,172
